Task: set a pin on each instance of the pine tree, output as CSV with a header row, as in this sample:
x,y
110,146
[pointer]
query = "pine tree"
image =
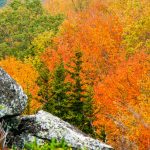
x,y
56,103
80,98
75,95
88,111
65,97
43,83
103,135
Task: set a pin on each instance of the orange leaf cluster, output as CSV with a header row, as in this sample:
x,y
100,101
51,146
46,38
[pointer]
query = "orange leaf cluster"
x,y
117,100
97,34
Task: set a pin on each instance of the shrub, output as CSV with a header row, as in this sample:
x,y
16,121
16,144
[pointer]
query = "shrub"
x,y
52,145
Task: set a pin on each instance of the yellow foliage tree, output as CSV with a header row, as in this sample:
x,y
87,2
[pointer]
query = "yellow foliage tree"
x,y
26,76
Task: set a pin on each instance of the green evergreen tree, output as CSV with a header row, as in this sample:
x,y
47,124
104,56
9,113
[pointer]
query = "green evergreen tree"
x,y
43,82
57,99
80,98
88,111
76,90
68,99
103,135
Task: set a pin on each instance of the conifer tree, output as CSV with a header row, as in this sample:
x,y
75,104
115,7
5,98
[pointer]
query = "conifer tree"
x,y
88,111
76,90
65,97
79,97
43,82
56,103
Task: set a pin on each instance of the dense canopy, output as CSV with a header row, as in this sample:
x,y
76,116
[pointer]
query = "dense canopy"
x,y
85,61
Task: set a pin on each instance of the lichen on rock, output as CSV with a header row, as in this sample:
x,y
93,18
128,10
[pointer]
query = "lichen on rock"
x,y
12,98
46,126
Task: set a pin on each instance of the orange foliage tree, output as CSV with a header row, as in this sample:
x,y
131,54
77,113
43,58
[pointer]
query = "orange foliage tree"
x,y
121,109
97,34
26,76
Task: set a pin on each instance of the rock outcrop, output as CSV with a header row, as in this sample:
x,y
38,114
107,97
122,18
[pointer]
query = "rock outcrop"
x,y
43,126
46,126
12,98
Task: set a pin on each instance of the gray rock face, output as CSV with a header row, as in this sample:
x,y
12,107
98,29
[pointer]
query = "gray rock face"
x,y
12,98
46,126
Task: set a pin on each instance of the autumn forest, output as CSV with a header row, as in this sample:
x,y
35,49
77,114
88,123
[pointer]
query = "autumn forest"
x,y
85,61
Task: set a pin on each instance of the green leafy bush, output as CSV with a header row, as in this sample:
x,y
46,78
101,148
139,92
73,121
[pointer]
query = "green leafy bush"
x,y
52,145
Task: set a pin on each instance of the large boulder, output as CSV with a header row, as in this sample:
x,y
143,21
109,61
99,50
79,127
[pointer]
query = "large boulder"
x,y
45,126
12,98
